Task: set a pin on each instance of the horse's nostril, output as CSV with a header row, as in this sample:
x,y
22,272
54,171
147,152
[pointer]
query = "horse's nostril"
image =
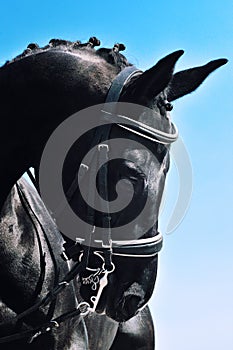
x,y
127,307
132,303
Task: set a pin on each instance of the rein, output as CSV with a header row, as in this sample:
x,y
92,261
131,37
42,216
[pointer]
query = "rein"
x,y
141,248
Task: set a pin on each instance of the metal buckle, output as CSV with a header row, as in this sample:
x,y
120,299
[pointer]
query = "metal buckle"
x,y
107,243
83,170
84,308
84,166
79,240
103,146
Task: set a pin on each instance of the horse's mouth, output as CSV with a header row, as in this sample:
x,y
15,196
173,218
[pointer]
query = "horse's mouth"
x,y
124,310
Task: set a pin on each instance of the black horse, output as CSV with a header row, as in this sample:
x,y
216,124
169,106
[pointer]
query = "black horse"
x,y
39,90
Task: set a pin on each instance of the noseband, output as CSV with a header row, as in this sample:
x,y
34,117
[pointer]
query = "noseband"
x,y
106,248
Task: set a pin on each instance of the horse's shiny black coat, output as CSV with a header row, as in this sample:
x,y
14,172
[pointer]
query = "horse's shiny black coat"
x,y
23,245
39,90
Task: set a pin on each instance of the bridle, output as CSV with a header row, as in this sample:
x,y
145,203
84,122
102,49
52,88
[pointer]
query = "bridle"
x,y
139,248
106,248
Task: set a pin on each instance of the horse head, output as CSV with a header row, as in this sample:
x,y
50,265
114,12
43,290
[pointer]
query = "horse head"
x,y
132,283
43,87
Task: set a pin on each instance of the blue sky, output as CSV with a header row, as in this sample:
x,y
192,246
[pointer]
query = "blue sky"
x,y
192,304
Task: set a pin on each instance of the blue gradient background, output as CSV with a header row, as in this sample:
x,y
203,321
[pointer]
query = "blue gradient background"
x,y
192,305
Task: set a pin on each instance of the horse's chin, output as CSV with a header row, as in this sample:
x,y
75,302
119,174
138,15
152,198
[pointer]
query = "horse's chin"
x,y
120,315
124,311
123,307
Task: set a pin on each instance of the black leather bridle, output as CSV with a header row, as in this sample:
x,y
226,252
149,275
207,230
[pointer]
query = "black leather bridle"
x,y
106,247
141,248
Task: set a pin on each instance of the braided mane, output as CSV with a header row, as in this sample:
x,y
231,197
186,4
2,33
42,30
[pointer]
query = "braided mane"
x,y
112,56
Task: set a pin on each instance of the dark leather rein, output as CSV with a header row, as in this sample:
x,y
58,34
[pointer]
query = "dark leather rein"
x,y
141,248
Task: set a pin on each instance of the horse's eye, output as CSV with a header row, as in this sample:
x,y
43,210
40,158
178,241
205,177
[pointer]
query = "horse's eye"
x,y
168,106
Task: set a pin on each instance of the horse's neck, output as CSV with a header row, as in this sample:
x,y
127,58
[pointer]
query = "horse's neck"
x,y
14,163
20,261
28,233
20,253
34,104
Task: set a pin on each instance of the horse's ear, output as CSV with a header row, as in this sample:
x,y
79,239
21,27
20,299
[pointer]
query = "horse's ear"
x,y
188,80
153,80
